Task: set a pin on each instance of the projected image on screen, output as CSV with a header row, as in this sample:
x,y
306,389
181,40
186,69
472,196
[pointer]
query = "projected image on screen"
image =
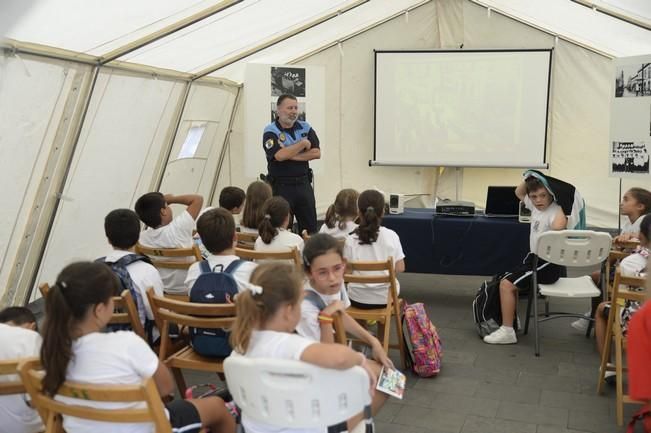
x,y
461,108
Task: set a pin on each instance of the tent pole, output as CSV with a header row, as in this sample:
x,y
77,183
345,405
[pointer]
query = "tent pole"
x,y
277,39
175,131
61,184
225,146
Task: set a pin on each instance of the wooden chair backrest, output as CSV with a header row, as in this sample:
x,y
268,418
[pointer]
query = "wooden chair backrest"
x,y
125,313
160,257
10,367
624,293
169,311
252,255
246,237
340,330
374,273
51,409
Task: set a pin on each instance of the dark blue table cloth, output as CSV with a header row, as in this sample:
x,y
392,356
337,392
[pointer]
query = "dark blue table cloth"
x,y
442,244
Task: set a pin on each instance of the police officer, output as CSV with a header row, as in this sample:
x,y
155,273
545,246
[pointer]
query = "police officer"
x,y
289,144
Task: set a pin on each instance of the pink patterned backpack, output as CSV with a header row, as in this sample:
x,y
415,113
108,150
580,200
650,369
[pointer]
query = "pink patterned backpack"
x,y
422,340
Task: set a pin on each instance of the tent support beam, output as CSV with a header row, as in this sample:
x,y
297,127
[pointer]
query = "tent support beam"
x,y
273,41
225,146
358,32
530,24
614,12
166,31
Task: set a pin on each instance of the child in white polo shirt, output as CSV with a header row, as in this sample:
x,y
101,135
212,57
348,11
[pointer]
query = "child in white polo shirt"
x,y
273,232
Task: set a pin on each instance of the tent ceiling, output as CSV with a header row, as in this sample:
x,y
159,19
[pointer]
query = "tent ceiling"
x,y
322,35
634,8
578,23
97,26
236,29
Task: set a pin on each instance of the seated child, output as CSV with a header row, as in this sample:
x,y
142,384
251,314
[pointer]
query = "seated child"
x,y
18,339
372,242
256,195
273,232
639,354
340,216
232,199
77,308
324,266
217,230
122,229
630,266
166,231
546,215
266,317
635,204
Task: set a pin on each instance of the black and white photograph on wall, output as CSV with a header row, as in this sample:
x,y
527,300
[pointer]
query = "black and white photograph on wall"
x,y
633,80
288,81
301,111
630,157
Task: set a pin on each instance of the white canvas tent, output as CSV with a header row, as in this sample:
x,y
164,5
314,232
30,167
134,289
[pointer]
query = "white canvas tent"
x,y
97,97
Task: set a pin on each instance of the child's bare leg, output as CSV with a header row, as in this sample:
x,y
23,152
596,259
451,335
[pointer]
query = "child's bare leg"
x,y
377,401
508,299
214,415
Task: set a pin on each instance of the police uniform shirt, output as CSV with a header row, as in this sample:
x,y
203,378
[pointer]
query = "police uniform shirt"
x,y
275,137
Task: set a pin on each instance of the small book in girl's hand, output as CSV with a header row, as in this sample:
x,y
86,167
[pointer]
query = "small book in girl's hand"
x,y
392,382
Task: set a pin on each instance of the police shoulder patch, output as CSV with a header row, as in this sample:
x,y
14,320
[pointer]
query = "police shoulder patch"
x,y
269,144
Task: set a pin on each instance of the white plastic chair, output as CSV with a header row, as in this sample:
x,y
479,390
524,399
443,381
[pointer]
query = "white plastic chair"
x,y
569,248
294,394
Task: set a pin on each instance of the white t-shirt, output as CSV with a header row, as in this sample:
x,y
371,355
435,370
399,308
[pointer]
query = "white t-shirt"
x,y
541,221
177,234
15,415
337,232
247,230
143,276
116,358
283,241
277,345
633,264
243,271
387,245
632,227
309,326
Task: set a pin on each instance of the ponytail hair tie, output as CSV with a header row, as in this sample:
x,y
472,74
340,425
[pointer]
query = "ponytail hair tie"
x,y
253,288
267,216
370,208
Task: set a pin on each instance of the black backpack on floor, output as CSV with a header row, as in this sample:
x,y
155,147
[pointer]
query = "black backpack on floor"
x,y
486,308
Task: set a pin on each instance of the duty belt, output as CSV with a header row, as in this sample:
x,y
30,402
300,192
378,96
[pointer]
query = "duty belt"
x,y
286,180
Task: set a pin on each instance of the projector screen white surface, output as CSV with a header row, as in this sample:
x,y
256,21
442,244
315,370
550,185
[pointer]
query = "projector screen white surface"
x,y
461,108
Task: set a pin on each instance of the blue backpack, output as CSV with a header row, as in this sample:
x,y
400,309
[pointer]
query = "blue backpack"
x,y
213,287
119,267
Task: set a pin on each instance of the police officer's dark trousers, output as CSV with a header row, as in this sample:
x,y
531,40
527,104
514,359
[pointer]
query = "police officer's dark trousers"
x,y
300,195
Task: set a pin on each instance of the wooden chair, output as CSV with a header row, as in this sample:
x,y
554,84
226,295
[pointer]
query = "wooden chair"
x,y
252,255
10,367
170,258
382,272
188,314
125,313
246,240
614,329
340,330
182,298
51,410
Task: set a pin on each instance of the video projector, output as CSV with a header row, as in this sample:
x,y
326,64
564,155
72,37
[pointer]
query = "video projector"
x,y
449,207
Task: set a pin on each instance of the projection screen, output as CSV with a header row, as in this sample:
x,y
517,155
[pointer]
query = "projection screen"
x,y
461,108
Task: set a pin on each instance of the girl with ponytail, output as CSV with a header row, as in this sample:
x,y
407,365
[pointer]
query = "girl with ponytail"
x,y
340,216
273,232
77,308
372,242
267,314
256,194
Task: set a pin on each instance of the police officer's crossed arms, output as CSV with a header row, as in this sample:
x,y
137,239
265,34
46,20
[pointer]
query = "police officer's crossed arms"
x,y
289,144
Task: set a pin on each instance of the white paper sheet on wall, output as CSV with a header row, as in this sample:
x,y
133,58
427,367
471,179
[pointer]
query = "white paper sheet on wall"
x,y
191,143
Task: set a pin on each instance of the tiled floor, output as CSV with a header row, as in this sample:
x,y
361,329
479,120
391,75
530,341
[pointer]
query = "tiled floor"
x,y
498,389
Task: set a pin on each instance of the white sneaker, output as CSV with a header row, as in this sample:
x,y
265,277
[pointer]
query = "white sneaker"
x,y
502,336
581,325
